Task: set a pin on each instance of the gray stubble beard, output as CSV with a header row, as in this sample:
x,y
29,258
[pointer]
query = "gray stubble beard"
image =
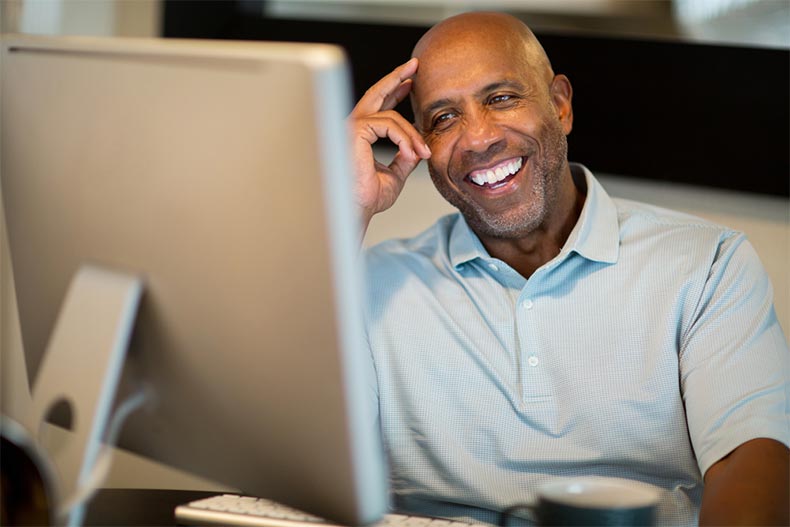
x,y
527,218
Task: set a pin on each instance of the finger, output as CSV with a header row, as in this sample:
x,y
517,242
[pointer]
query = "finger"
x,y
402,166
375,128
400,93
373,100
395,127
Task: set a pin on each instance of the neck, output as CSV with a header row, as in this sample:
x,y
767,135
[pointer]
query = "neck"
x,y
527,253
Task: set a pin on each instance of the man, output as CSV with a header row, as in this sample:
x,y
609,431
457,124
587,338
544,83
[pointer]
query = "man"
x,y
548,330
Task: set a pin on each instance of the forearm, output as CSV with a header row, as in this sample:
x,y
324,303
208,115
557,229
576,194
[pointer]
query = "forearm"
x,y
751,486
365,216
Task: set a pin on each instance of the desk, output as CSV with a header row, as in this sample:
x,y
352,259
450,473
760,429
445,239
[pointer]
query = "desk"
x,y
138,507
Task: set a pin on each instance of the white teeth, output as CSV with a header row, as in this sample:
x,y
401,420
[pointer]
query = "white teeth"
x,y
497,174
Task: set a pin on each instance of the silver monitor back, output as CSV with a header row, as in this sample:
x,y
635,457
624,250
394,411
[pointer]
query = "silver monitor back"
x,y
218,171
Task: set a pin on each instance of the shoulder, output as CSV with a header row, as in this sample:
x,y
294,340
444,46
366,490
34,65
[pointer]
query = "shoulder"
x,y
674,246
641,221
396,270
429,245
630,211
710,259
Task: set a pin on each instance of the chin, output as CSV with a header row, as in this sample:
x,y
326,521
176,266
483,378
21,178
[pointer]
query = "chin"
x,y
510,227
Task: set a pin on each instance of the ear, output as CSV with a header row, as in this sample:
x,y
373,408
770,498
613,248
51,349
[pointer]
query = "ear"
x,y
561,95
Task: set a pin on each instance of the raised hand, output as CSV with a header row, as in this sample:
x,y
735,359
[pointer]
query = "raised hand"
x,y
379,185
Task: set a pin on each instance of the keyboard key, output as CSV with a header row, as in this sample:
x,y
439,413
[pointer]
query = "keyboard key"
x,y
233,510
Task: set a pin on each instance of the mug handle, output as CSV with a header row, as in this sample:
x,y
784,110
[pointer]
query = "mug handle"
x,y
520,510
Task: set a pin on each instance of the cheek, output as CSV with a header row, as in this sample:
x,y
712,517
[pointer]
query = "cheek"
x,y
441,152
437,170
435,141
440,182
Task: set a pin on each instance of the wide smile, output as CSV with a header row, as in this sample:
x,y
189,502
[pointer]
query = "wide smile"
x,y
497,176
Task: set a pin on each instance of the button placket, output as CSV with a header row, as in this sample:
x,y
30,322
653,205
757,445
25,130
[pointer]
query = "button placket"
x,y
528,321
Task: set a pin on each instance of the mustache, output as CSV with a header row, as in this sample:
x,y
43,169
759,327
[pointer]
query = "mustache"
x,y
471,160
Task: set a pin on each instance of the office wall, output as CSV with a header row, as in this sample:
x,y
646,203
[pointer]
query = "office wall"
x,y
134,18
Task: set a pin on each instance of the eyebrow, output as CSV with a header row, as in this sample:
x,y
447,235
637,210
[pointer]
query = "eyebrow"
x,y
440,103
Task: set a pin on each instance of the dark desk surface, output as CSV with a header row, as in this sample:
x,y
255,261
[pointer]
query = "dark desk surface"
x,y
138,507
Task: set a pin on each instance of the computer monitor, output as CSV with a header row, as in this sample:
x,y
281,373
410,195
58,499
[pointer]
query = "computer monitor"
x,y
219,172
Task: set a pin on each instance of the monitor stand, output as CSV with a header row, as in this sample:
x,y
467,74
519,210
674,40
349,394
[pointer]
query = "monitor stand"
x,y
81,368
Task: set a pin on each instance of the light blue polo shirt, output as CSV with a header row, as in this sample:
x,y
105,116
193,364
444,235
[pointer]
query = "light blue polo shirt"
x,y
647,349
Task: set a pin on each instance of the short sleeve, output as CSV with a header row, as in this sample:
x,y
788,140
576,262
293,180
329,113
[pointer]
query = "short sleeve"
x,y
734,359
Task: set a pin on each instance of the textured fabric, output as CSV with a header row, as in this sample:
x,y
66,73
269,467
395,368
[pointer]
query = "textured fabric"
x,y
647,349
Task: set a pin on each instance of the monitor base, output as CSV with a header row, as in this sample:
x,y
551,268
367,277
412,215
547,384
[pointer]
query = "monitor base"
x,y
80,370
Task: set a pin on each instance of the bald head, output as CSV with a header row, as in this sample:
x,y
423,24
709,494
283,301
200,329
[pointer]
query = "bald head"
x,y
495,118
497,30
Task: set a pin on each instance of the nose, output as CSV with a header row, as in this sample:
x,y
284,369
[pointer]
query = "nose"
x,y
479,132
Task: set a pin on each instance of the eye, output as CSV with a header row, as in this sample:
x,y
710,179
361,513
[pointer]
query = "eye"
x,y
502,99
442,120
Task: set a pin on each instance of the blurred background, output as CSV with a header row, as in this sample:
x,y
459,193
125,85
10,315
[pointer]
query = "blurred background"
x,y
662,88
679,103
740,22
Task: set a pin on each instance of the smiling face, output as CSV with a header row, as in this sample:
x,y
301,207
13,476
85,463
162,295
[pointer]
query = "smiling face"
x,y
495,119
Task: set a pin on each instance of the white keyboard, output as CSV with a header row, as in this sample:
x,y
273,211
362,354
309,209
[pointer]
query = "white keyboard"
x,y
235,510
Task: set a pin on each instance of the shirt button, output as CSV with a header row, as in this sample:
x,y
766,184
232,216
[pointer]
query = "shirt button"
x,y
493,267
533,361
527,303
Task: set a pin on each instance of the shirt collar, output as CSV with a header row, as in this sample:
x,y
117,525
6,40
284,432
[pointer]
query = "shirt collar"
x,y
464,244
596,236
